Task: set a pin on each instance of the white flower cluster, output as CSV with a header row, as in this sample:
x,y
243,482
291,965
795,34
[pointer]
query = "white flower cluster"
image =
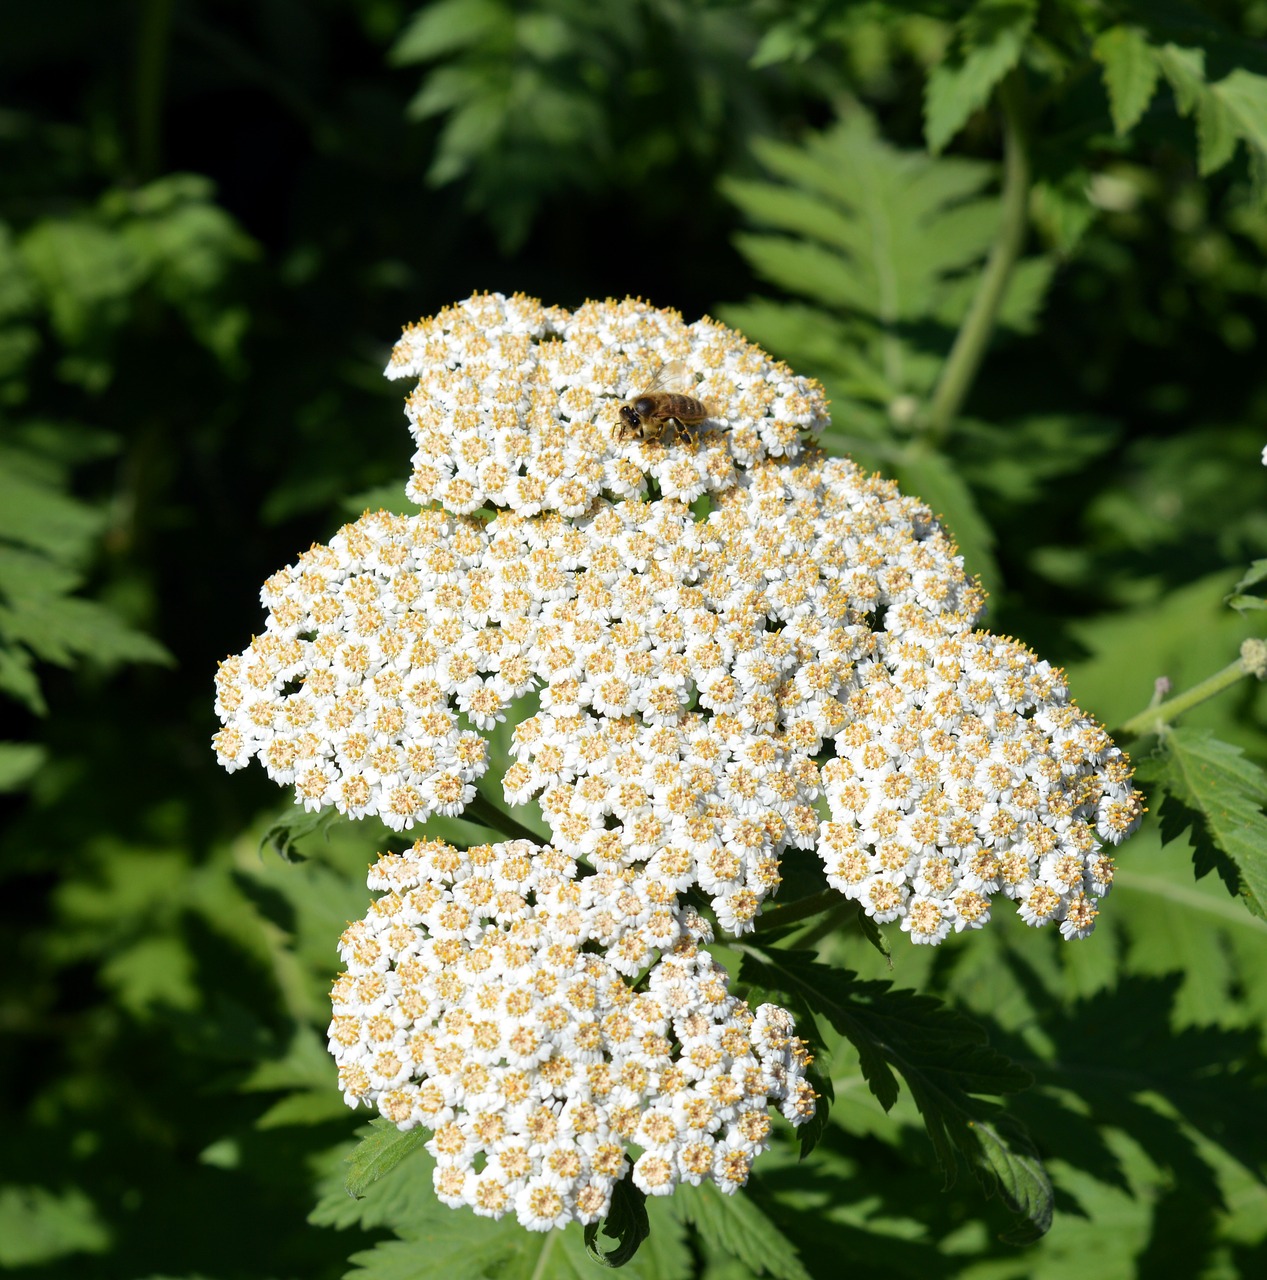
x,y
792,663
474,1003
515,404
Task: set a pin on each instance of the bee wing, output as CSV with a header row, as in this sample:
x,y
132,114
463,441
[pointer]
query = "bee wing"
x,y
669,377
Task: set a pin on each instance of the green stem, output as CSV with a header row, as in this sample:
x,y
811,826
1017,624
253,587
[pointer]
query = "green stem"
x,y
1154,719
845,909
151,71
964,360
483,812
802,909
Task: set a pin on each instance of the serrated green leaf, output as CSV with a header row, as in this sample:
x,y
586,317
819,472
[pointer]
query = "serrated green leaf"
x,y
1232,109
810,1133
60,629
18,679
1130,73
932,477
1185,70
291,826
34,514
806,269
378,1153
626,1223
26,575
942,1056
733,1225
1216,795
990,40
38,1225
1244,95
894,226
19,763
457,1246
1216,133
888,245
86,274
1008,1153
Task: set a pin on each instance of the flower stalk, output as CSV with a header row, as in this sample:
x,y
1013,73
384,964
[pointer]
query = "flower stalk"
x,y
1154,719
973,339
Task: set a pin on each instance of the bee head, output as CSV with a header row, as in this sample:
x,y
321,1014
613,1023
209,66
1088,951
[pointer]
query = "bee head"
x,y
629,416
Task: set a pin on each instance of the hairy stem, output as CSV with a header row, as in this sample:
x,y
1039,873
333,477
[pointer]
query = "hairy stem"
x,y
964,360
1154,719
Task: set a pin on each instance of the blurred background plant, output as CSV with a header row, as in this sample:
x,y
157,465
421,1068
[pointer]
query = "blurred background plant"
x,y
1025,247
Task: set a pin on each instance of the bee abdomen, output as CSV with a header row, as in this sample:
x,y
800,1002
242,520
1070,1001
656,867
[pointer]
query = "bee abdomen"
x,y
683,408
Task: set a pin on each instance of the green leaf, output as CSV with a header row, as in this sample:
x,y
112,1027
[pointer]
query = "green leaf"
x,y
989,45
1216,795
458,1246
38,1226
19,763
447,26
1232,109
18,679
735,1226
784,41
378,1153
626,1222
810,1133
887,246
1130,73
60,629
1018,459
291,826
942,1056
35,514
1008,1153
1239,597
932,477
1244,95
894,225
1061,210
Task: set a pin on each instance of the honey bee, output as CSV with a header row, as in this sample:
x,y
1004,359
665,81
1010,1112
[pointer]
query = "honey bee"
x,y
647,415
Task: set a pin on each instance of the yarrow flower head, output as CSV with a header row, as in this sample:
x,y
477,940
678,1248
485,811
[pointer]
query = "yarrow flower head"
x,y
690,674
473,1004
715,649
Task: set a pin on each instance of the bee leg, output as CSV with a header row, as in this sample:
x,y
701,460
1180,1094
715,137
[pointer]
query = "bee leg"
x,y
680,428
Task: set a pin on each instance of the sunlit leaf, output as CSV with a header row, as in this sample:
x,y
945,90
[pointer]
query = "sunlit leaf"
x,y
990,39
1130,73
735,1227
1216,795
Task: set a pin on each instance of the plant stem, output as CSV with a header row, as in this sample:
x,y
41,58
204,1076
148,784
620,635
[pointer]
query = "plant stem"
x,y
802,909
151,72
844,910
483,812
964,360
1154,719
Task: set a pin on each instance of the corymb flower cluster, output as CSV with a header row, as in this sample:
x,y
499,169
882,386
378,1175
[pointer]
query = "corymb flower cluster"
x,y
473,1004
714,646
